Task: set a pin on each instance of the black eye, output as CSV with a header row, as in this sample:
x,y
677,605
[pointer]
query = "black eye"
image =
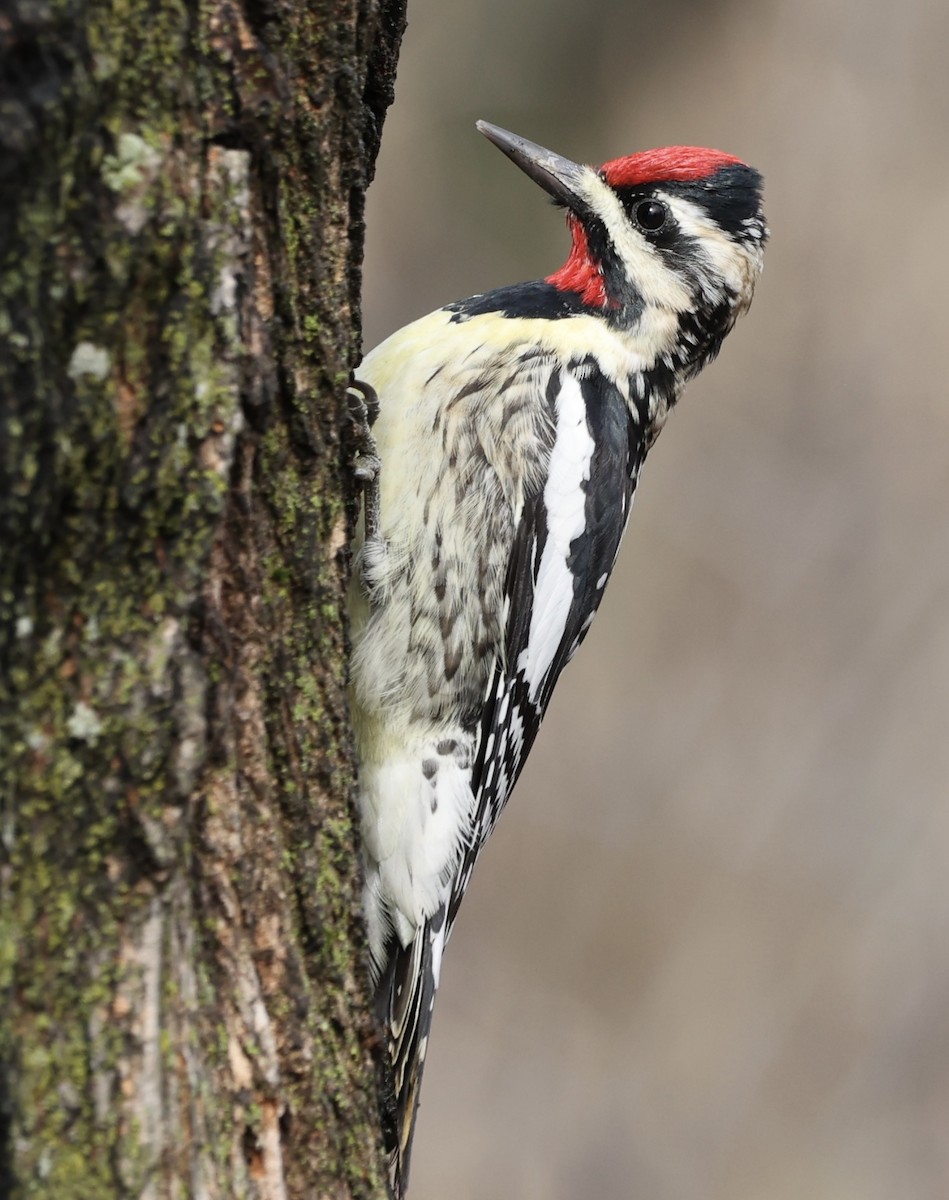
x,y
651,215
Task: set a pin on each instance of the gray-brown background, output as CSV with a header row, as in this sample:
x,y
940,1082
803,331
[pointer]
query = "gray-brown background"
x,y
706,956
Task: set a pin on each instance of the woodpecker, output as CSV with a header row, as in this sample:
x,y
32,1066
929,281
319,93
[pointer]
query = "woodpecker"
x,y
511,431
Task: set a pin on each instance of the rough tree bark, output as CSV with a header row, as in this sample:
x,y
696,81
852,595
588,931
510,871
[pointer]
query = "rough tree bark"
x,y
183,1008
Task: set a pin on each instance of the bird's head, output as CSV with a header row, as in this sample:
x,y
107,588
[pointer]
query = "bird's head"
x,y
679,229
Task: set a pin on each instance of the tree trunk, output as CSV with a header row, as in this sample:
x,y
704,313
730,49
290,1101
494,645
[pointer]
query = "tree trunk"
x,y
184,1001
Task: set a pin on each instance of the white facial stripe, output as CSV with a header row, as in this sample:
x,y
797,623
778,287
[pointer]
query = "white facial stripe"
x,y
658,286
727,261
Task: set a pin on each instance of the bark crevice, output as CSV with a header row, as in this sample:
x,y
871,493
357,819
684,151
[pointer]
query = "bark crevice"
x,y
182,974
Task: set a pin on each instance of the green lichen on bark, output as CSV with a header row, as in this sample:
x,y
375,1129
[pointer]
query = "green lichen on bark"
x,y
110,510
180,939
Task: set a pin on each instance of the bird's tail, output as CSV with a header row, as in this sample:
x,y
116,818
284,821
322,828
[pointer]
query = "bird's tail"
x,y
405,998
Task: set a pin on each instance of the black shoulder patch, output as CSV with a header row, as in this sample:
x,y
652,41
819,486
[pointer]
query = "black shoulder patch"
x,y
536,299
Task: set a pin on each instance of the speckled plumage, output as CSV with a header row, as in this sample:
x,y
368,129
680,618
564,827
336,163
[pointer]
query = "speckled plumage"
x,y
512,428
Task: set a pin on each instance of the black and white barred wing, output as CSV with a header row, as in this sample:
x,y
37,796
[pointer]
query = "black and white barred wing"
x,y
565,544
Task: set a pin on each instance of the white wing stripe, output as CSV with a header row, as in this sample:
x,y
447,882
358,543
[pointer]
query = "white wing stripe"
x,y
565,504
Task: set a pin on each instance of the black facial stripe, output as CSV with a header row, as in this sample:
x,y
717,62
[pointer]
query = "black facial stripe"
x,y
731,196
619,287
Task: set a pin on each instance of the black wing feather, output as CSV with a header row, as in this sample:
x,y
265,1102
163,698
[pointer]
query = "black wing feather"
x,y
511,717
405,996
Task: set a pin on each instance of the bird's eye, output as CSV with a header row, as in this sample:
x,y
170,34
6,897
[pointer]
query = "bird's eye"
x,y
651,215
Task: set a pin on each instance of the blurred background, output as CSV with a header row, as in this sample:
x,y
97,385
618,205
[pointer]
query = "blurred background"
x,y
706,956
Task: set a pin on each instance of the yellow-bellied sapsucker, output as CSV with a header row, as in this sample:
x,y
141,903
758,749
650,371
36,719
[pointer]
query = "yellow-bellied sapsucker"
x,y
511,430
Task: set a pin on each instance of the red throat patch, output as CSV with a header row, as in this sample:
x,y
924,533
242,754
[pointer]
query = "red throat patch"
x,y
580,273
677,164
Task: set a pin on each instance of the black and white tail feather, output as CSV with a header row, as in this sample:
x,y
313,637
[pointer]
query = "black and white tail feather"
x,y
512,429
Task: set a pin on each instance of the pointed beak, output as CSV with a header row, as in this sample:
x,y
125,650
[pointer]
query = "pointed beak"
x,y
561,178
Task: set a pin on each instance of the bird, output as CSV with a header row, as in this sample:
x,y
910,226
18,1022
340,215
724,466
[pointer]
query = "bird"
x,y
509,431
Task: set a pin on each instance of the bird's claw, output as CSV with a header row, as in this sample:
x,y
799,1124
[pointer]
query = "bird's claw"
x,y
366,464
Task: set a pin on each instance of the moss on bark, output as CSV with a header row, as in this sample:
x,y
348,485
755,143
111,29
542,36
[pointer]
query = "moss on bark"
x,y
181,950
